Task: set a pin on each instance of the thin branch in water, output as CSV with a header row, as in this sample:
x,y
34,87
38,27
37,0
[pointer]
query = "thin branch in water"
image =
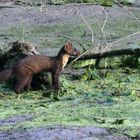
x,y
128,11
99,26
92,33
106,18
117,41
102,28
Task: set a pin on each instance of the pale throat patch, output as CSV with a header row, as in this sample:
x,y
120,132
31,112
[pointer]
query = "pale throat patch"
x,y
65,59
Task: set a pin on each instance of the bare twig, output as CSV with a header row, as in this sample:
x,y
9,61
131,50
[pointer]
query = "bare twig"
x,y
119,40
97,21
128,11
106,18
102,33
92,33
101,46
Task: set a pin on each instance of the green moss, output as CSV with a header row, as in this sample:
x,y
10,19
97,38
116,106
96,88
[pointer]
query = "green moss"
x,y
111,102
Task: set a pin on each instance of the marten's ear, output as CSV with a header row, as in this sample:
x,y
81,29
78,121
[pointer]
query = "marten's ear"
x,y
68,46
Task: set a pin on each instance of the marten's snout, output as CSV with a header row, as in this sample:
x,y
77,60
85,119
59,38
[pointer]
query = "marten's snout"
x,y
76,52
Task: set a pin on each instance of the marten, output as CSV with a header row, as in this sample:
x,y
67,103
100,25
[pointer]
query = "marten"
x,y
25,68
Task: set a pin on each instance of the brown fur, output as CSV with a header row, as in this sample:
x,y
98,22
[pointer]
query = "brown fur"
x,y
25,68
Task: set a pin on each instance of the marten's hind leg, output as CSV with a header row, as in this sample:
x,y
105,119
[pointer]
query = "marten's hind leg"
x,y
21,83
28,86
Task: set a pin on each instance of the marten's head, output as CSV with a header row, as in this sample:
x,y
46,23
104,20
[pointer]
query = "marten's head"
x,y
70,50
67,51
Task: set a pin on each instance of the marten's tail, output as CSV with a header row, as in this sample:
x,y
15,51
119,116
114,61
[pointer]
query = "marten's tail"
x,y
5,75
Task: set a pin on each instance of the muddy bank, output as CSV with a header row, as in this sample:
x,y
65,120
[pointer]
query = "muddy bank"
x,y
53,14
61,133
42,26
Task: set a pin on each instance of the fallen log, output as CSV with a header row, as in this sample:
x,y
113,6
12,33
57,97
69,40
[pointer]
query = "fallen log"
x,y
111,53
91,54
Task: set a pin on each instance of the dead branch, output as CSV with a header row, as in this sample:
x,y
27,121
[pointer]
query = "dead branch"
x,y
102,32
111,53
92,33
106,18
128,11
121,39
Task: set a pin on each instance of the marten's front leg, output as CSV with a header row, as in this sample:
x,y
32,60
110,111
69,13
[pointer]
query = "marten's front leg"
x,y
55,79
